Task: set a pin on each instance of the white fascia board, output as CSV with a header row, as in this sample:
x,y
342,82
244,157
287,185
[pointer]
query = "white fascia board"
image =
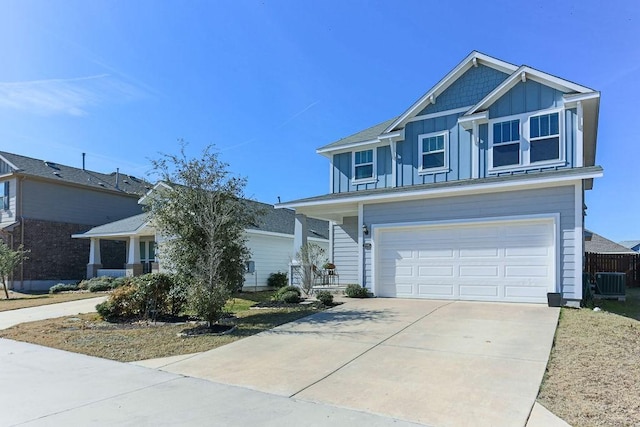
x,y
4,159
148,193
571,100
448,80
251,231
104,235
468,121
533,182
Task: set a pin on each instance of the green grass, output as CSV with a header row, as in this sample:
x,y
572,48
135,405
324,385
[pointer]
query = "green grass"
x,y
629,308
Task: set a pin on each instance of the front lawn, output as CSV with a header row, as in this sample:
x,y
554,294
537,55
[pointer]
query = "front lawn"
x,y
593,375
126,342
24,300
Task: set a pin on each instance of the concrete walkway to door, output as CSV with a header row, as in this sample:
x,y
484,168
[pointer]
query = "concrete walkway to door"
x,y
432,362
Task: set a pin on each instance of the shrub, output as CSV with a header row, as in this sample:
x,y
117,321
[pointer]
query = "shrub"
x,y
290,297
97,284
147,296
325,297
284,290
61,287
356,291
278,280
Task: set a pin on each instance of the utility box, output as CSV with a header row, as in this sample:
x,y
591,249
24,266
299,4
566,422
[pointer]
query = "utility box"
x,y
611,285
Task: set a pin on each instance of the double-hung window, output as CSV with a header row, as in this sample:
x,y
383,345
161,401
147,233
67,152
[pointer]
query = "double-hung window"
x,y
526,141
4,197
506,143
544,137
363,165
433,152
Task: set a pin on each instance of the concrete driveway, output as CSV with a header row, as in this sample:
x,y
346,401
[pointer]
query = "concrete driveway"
x,y
433,362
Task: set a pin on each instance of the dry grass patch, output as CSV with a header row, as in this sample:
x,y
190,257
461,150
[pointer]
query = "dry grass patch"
x,y
593,375
24,300
127,342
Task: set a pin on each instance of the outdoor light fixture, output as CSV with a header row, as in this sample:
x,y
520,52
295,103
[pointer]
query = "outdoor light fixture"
x,y
365,230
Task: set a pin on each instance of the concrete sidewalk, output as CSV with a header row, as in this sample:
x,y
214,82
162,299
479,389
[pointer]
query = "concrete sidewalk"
x,y
14,317
47,387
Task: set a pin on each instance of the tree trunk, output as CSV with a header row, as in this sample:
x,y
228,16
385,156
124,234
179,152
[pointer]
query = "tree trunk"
x,y
4,285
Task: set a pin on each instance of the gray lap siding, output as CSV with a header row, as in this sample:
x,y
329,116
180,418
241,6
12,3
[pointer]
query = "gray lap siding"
x,y
554,200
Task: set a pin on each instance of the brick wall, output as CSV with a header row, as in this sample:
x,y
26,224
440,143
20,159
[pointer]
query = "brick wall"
x,y
55,255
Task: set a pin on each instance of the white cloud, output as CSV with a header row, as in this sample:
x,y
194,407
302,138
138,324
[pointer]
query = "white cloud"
x,y
65,96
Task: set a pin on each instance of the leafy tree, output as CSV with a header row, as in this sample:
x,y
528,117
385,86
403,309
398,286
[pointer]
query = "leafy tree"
x,y
203,215
9,260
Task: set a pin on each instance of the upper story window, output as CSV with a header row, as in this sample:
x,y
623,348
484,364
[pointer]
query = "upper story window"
x,y
363,165
4,198
433,152
525,140
544,136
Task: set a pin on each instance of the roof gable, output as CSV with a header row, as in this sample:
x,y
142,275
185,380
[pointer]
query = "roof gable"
x,y
522,74
474,59
467,90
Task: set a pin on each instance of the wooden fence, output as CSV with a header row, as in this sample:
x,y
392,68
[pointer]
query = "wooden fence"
x,y
619,263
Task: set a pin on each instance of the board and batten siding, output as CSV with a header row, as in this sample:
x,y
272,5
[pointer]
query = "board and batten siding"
x,y
75,205
9,216
459,151
554,200
343,169
345,249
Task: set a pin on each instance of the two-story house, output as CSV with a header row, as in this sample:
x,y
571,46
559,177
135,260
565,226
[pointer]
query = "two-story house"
x,y
475,192
43,203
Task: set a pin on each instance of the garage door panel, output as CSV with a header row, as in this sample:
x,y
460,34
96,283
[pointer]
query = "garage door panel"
x,y
471,271
508,261
478,291
480,252
441,290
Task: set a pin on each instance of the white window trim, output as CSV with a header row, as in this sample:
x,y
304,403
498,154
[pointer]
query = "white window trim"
x,y
525,142
374,162
443,168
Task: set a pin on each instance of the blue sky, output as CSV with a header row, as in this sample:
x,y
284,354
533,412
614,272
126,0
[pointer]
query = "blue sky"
x,y
268,82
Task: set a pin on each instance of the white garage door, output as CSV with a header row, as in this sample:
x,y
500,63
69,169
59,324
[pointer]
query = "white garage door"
x,y
503,261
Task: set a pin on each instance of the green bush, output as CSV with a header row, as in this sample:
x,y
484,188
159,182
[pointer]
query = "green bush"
x,y
61,287
325,297
97,284
277,296
356,291
290,297
278,280
147,296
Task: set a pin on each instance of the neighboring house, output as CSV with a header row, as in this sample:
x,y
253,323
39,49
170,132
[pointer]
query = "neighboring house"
x,y
270,241
475,192
596,244
43,203
634,245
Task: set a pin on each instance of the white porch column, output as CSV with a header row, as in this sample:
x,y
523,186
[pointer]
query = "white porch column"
x,y
94,251
300,233
134,250
95,262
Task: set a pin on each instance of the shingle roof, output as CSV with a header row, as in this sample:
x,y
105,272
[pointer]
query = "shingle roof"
x,y
365,135
630,243
56,172
273,220
602,245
